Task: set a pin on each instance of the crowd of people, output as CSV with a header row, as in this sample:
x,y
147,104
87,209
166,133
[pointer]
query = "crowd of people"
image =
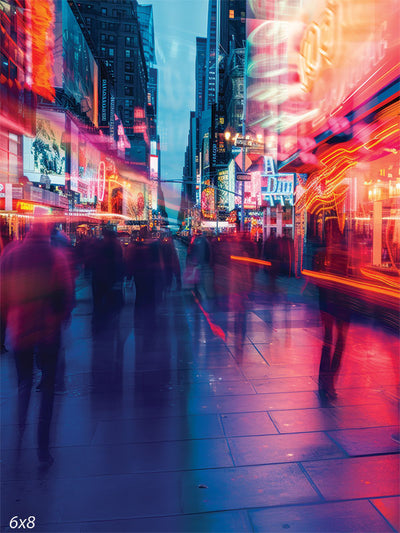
x,y
38,295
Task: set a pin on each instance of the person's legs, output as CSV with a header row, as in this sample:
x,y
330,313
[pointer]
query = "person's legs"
x,y
24,365
342,329
325,375
49,357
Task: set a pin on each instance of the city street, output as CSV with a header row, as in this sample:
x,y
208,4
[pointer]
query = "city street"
x,y
176,429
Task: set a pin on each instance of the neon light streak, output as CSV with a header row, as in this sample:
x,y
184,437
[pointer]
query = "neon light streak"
x,y
250,260
101,180
383,278
355,284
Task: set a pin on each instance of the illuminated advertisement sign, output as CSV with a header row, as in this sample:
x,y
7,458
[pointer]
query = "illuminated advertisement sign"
x,y
222,192
348,52
252,191
44,155
277,188
208,203
153,167
40,46
74,170
312,62
89,159
75,69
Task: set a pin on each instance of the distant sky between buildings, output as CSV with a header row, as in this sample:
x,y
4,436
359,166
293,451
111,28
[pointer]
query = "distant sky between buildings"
x,y
177,23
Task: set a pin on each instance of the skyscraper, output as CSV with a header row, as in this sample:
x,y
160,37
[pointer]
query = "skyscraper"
x,y
114,28
211,90
145,16
201,53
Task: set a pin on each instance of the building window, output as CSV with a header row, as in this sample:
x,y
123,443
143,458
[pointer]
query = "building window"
x,y
231,14
128,27
129,103
128,91
102,37
129,66
127,53
129,78
128,41
111,52
104,11
103,50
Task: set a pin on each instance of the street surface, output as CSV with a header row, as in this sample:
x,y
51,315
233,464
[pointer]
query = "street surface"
x,y
179,430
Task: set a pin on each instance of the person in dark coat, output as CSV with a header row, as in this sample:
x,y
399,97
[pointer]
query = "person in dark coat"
x,y
335,308
36,300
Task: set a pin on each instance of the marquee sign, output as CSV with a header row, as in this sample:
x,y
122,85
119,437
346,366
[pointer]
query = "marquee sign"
x,y
278,188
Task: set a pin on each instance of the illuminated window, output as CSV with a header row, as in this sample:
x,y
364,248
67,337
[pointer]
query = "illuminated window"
x,y
111,52
231,14
127,53
104,11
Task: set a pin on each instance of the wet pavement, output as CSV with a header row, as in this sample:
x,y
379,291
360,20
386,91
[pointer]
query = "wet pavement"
x,y
176,429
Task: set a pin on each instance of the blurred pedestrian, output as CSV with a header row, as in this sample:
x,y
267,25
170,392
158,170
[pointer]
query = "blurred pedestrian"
x,y
234,280
335,308
172,269
36,300
107,269
145,265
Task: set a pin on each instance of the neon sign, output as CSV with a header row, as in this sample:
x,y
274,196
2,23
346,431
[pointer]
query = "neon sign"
x,y
101,180
278,187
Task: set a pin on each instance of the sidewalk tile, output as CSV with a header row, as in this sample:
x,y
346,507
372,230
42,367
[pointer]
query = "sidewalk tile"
x,y
390,508
238,424
342,517
157,429
356,477
283,448
367,441
239,488
222,522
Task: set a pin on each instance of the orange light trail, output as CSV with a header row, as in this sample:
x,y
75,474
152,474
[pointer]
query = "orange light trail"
x,y
393,296
383,278
250,260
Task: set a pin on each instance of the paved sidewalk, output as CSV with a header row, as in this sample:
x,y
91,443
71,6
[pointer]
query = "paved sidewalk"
x,y
180,431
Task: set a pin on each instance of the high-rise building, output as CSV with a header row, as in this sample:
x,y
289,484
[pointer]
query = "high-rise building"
x,y
211,90
145,16
201,54
114,28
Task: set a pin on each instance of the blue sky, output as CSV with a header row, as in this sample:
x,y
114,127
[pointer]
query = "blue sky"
x,y
177,23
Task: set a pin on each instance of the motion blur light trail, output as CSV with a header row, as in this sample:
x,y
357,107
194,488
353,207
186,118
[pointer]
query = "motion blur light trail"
x,y
370,292
250,260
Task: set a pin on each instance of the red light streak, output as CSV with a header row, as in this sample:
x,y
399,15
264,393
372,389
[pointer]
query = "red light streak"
x,y
217,330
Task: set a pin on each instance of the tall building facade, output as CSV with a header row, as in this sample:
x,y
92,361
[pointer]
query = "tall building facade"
x,y
115,30
211,90
201,54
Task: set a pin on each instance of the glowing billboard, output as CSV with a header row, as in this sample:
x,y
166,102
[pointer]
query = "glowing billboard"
x,y
75,69
312,62
44,155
